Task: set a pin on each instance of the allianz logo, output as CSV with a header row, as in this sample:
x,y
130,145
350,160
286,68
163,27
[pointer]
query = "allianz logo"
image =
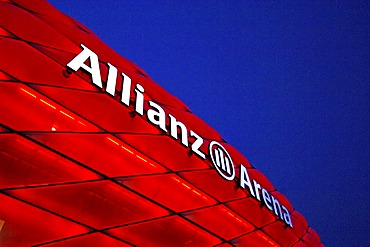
x,y
88,61
221,160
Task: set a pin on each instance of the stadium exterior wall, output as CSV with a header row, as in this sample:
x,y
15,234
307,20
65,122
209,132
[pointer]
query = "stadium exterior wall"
x,y
93,152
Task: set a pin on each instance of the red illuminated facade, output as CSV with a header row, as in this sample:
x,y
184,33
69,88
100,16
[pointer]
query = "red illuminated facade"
x,y
80,166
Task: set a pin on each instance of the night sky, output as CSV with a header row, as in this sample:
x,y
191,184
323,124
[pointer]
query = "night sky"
x,y
286,83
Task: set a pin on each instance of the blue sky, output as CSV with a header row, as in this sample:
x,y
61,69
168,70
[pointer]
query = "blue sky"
x,y
286,83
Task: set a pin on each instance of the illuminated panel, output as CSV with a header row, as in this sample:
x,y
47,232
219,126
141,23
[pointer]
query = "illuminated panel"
x,y
5,77
48,36
34,67
195,123
303,244
283,200
169,190
299,217
251,209
62,58
94,239
155,146
224,245
1,225
314,234
169,231
24,163
256,238
280,233
220,220
101,152
100,109
212,183
261,179
25,109
299,228
238,158
97,204
46,10
310,240
156,92
25,225
5,33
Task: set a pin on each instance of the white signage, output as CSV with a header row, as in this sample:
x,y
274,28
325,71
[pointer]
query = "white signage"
x,y
157,116
221,160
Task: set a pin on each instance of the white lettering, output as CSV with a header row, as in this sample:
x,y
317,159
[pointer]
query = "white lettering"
x,y
277,208
257,186
197,144
245,181
112,79
79,62
139,106
157,117
267,199
126,89
175,126
287,218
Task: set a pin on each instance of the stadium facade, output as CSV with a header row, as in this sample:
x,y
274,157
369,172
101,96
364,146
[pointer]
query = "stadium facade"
x,y
93,152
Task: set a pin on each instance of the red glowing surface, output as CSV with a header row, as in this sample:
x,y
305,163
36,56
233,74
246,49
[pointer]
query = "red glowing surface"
x,y
256,238
221,220
24,163
93,239
169,190
77,168
101,152
26,225
214,185
175,229
98,204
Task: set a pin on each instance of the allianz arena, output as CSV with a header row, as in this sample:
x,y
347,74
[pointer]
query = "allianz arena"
x,y
93,152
